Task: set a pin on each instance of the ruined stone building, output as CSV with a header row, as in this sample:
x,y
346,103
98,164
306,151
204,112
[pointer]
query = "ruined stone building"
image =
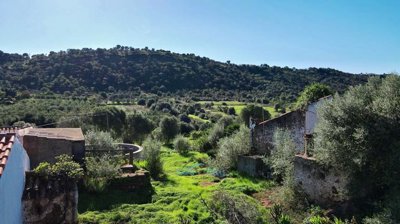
x,y
300,123
23,197
326,187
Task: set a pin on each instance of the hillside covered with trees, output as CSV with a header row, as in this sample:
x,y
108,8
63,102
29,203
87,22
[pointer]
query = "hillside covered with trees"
x,y
127,70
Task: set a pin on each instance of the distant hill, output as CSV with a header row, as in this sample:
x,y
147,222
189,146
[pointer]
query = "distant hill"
x,y
126,69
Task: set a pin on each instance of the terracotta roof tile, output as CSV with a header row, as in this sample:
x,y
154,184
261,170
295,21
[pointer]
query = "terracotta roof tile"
x,y
3,140
3,161
12,139
7,136
7,153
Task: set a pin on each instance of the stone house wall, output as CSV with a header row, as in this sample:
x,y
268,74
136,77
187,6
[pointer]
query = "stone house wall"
x,y
49,200
327,187
253,166
45,149
293,121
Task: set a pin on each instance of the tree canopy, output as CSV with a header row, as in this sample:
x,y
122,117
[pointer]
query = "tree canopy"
x,y
358,132
169,128
254,111
312,93
118,70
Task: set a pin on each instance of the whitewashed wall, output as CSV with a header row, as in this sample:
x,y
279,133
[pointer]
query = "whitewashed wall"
x,y
311,114
12,184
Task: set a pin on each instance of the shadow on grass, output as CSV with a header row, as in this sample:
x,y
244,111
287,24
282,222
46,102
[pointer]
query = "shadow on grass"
x,y
89,201
165,180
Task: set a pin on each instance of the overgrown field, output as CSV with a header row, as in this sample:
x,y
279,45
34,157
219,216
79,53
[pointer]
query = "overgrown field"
x,y
181,195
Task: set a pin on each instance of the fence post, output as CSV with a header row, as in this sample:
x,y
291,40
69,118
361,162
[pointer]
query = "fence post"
x,y
130,157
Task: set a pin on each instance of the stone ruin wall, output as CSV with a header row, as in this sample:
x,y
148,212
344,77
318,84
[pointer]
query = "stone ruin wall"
x,y
326,187
253,166
49,200
41,149
264,132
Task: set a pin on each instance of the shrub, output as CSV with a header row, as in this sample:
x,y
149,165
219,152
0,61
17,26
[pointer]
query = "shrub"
x,y
282,157
231,111
99,171
237,208
225,121
141,102
152,155
181,145
185,128
197,134
99,140
150,102
184,118
229,149
318,220
156,134
169,128
277,215
230,129
22,124
217,132
202,144
64,166
43,169
215,117
205,126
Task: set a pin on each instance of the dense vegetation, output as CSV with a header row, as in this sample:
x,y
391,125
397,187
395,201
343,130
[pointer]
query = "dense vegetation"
x,y
120,72
191,115
358,132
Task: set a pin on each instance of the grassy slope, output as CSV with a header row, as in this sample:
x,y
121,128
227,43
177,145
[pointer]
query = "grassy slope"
x,y
177,196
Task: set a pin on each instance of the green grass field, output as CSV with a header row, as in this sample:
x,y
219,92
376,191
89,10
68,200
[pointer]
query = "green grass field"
x,y
197,118
238,106
178,196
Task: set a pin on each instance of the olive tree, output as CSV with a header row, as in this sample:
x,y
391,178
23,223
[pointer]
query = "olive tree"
x,y
312,93
137,127
254,111
230,148
152,156
169,128
358,133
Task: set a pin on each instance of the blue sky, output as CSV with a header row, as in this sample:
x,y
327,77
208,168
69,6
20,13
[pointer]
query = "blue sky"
x,y
354,36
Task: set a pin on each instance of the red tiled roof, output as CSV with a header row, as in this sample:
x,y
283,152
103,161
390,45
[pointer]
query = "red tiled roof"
x,y
7,139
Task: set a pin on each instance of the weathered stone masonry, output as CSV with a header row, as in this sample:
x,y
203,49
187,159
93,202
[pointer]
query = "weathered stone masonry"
x,y
49,200
324,186
293,121
45,144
